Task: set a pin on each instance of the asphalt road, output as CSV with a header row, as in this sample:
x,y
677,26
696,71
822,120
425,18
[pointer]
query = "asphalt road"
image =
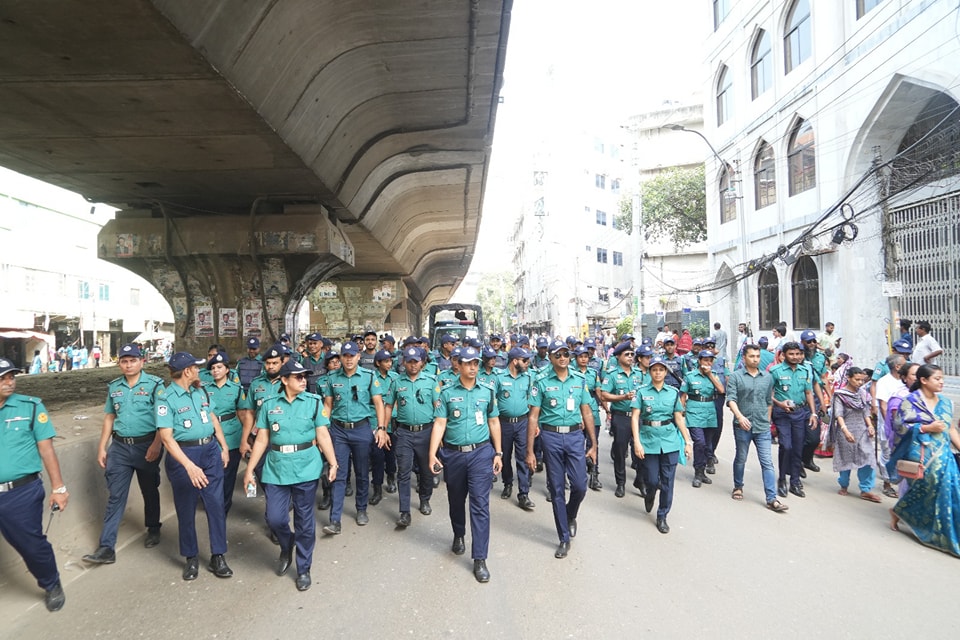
x,y
829,567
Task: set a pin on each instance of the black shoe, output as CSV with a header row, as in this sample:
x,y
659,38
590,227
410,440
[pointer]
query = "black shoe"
x,y
797,490
595,481
348,491
376,496
480,571
273,537
803,472
152,539
524,501
662,525
642,489
362,518
458,547
55,598
404,520
713,459
304,581
696,480
391,483
507,492
562,550
548,497
425,508
103,555
782,488
284,561
332,529
638,482
812,466
704,479
218,566
620,492
572,527
191,568
711,469
325,502
539,466
648,500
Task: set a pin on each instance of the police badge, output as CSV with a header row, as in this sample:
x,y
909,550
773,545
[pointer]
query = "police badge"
x,y
275,427
456,413
553,402
187,424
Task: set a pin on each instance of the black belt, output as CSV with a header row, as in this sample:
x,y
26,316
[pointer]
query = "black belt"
x,y
195,443
134,440
570,429
414,427
657,423
696,397
19,482
620,413
291,448
517,419
228,416
463,448
352,425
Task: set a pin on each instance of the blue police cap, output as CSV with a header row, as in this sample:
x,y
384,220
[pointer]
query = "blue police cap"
x,y
469,354
487,353
412,354
181,360
276,351
349,348
327,342
382,355
697,341
707,341
571,340
658,360
669,339
331,355
579,351
647,341
388,338
902,346
644,350
253,343
284,337
130,350
706,353
456,352
626,336
409,340
590,343
807,335
620,348
7,366
221,358
518,352
423,339
445,338
292,367
496,336
523,340
542,342
474,342
763,340
314,337
557,345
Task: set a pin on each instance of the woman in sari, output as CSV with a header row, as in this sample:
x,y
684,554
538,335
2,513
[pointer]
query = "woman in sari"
x,y
931,506
852,436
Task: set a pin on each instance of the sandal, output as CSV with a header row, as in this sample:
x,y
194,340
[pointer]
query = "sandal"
x,y
777,506
890,492
870,497
737,494
842,491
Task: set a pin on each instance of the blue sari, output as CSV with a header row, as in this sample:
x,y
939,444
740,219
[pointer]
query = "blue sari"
x,y
931,506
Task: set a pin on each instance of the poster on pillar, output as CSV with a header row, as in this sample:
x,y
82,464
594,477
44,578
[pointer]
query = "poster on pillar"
x,y
252,323
228,323
203,322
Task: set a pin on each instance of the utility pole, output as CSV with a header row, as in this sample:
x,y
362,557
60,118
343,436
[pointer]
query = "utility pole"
x,y
636,223
882,179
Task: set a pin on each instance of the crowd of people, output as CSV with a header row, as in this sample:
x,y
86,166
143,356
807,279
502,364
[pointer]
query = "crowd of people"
x,y
325,422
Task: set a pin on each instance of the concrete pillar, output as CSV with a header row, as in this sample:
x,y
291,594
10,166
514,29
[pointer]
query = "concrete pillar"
x,y
229,277
344,307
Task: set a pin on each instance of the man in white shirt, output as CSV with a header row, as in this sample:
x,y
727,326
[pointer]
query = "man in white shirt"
x,y
886,387
928,349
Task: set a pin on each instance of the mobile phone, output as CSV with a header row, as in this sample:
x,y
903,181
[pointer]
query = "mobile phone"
x,y
437,467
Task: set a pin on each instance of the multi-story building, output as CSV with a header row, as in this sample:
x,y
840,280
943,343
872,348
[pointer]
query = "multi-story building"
x,y
838,196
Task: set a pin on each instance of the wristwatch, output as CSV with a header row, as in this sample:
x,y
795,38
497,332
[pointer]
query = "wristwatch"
x,y
381,428
498,454
60,489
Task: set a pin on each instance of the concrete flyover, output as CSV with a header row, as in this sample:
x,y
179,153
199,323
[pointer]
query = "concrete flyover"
x,y
259,148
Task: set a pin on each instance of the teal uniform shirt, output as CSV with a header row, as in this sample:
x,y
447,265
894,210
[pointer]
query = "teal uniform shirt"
x,y
292,423
24,422
260,389
766,359
818,368
227,399
644,379
431,369
512,394
538,364
489,379
207,378
617,382
559,401
133,405
467,412
353,396
415,399
791,384
447,378
700,391
659,406
388,385
186,411
591,379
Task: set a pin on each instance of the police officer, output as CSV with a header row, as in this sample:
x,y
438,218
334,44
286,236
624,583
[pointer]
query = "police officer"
x,y
197,454
332,363
447,344
673,362
496,343
355,405
591,379
451,374
313,359
383,461
251,365
129,420
416,395
594,361
262,387
488,371
26,444
560,410
722,372
659,434
697,393
619,387
206,377
691,360
291,427
793,413
228,398
816,361
466,423
541,359
513,387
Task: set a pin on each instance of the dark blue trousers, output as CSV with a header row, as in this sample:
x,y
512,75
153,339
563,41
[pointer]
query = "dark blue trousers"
x,y
791,430
21,523
586,443
413,447
383,461
347,442
470,475
304,534
713,436
622,439
123,461
513,439
185,497
230,479
565,458
660,470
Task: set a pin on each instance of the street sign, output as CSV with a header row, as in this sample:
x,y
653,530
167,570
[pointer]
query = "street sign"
x,y
892,288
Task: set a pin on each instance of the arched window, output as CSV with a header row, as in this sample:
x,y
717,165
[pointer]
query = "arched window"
x,y
801,158
724,96
797,35
728,197
764,176
806,294
768,298
761,65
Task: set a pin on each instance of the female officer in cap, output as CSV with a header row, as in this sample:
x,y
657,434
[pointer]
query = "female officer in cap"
x,y
292,424
228,397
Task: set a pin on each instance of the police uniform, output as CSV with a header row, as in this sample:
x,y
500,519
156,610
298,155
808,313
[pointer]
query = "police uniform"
x,y
674,366
24,425
618,382
413,411
591,378
512,402
791,384
228,400
701,418
249,368
720,370
384,461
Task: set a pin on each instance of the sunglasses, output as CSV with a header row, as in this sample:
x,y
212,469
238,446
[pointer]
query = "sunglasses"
x,y
300,376
561,354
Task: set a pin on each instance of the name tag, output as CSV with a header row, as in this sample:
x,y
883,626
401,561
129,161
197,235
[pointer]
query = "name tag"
x,y
183,409
116,394
203,417
479,417
552,389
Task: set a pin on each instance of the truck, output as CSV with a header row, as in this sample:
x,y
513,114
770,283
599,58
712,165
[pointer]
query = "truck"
x,y
459,320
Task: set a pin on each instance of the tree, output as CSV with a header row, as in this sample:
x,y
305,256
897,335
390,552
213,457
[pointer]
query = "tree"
x,y
496,297
623,219
625,326
675,206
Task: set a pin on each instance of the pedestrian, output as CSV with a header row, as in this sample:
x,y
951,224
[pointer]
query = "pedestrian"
x,y
197,455
697,394
293,429
886,387
512,391
229,399
97,353
793,413
130,428
852,436
719,337
928,349
369,353
560,410
659,435
466,423
26,447
619,387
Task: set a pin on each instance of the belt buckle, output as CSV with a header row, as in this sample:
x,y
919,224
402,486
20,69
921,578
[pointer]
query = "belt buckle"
x,y
288,448
6,486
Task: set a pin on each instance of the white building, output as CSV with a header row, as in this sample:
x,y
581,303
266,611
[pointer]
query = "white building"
x,y
805,97
54,288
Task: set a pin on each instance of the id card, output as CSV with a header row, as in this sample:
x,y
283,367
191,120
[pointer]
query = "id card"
x,y
479,418
570,405
203,417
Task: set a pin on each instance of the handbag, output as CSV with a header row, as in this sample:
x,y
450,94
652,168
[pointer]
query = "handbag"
x,y
912,470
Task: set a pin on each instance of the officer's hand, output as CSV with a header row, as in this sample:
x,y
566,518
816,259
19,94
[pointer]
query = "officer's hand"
x,y
435,466
102,458
248,478
245,449
197,477
382,438
688,450
591,455
638,449
225,456
531,462
153,451
59,499
497,464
